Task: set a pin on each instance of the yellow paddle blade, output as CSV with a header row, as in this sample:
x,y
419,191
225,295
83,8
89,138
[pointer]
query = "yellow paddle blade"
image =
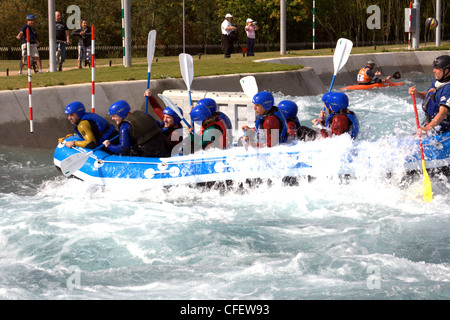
x,y
427,192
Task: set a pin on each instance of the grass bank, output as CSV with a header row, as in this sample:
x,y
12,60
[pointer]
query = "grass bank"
x,y
168,67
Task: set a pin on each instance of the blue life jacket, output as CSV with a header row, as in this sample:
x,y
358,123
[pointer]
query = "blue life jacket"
x,y
431,104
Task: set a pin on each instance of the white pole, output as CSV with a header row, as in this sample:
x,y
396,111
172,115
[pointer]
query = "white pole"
x,y
438,19
416,33
282,27
51,36
127,10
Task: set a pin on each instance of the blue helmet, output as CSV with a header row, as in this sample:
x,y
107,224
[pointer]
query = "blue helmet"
x,y
325,97
209,103
30,17
265,99
170,112
75,107
200,113
121,108
288,108
337,101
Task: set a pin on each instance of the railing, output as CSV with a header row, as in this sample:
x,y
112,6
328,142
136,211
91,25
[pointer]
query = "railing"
x,y
12,53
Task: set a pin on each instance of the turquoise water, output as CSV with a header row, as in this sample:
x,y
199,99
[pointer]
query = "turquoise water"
x,y
369,237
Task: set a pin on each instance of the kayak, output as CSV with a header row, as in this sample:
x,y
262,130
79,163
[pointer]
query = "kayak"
x,y
320,158
383,84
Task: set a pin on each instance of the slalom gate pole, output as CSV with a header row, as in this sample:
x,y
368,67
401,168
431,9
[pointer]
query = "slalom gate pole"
x,y
123,32
30,104
409,32
93,68
314,26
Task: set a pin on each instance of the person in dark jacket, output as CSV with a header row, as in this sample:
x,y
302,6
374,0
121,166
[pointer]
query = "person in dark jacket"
x,y
139,133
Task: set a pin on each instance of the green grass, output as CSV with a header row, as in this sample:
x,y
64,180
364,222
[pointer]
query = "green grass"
x,y
169,67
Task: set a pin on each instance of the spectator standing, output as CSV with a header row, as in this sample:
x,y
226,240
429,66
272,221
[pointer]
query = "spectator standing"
x,y
84,43
62,37
250,29
227,37
34,43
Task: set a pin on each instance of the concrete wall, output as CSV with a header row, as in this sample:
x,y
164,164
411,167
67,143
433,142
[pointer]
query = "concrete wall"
x,y
50,123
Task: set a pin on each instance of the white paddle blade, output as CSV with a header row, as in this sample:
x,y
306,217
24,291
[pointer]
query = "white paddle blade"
x,y
73,163
187,69
151,44
341,53
249,86
169,103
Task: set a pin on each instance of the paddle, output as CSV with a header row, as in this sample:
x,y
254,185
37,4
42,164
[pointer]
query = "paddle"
x,y
427,192
341,54
76,161
175,109
150,53
250,88
187,71
396,75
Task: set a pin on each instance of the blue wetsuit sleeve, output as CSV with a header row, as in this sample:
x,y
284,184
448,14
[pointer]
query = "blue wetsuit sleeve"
x,y
124,140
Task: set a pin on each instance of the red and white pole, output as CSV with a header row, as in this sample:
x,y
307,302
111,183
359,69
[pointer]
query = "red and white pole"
x,y
93,68
30,105
409,33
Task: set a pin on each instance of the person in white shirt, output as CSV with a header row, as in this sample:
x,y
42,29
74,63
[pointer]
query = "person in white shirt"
x,y
227,36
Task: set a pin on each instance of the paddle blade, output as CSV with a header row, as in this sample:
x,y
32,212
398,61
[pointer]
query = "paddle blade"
x,y
169,104
151,44
187,69
341,53
249,86
427,192
73,163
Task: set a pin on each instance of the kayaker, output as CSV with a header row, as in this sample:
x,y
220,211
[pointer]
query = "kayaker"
x,y
170,122
91,127
139,133
367,76
290,109
436,100
270,125
214,131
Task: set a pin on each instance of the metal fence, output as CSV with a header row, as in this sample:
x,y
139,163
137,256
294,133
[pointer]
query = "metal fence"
x,y
14,53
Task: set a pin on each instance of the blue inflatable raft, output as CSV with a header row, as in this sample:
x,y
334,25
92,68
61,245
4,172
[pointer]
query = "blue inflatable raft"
x,y
327,157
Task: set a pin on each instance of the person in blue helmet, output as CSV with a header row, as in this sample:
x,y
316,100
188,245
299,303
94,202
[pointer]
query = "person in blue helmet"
x,y
139,133
270,125
91,127
436,100
339,119
290,109
170,121
212,106
214,131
